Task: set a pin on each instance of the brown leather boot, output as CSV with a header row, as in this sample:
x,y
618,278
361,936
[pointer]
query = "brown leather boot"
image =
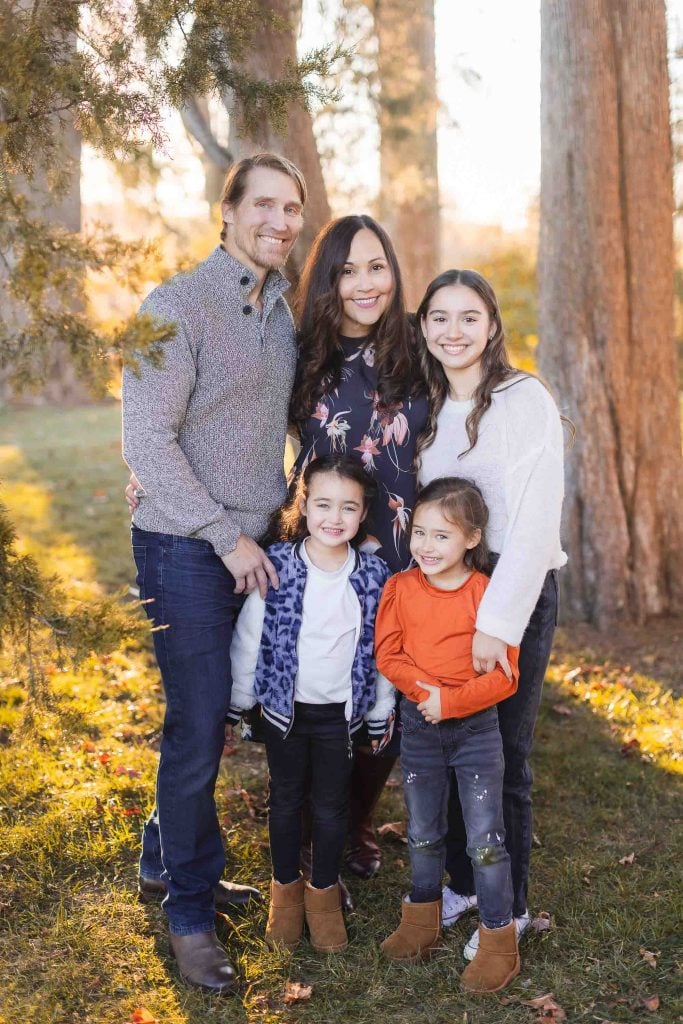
x,y
325,919
368,778
286,915
202,961
496,962
418,934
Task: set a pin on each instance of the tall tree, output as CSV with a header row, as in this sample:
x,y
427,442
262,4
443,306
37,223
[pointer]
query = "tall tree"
x,y
274,52
606,302
409,194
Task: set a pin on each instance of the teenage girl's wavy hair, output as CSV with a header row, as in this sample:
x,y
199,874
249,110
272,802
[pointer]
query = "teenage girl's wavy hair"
x,y
496,367
495,364
461,503
318,309
289,522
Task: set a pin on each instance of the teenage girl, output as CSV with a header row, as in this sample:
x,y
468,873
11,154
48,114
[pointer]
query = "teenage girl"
x,y
501,429
305,653
425,626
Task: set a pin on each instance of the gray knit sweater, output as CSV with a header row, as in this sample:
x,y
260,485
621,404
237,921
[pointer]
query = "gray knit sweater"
x,y
205,433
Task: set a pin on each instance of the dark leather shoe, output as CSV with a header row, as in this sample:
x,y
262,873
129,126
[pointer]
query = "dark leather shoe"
x,y
202,961
364,857
226,895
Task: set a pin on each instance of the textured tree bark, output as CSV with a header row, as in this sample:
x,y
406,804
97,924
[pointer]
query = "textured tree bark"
x,y
606,303
271,49
409,193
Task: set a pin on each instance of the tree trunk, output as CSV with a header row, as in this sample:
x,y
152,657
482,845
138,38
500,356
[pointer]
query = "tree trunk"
x,y
265,61
409,194
606,303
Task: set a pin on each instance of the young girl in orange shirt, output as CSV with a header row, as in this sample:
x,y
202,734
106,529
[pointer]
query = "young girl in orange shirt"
x,y
424,630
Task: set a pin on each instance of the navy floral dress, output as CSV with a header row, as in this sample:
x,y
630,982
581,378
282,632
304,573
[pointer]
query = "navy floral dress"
x,y
348,420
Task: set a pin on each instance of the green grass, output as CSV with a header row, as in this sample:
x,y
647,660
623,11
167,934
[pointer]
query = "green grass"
x,y
76,946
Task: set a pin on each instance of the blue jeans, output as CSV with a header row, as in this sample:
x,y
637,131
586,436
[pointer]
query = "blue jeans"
x,y
516,718
472,748
192,594
316,759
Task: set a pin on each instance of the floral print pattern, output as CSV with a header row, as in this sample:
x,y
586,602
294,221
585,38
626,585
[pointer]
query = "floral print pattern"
x,y
350,420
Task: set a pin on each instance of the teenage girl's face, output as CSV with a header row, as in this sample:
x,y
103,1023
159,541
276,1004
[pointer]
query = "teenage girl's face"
x,y
457,327
366,285
439,546
334,509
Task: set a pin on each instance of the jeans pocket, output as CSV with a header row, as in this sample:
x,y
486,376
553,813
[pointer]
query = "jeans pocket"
x,y
411,719
482,721
140,556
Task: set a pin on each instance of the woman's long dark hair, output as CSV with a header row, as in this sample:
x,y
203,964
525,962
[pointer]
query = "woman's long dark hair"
x,y
495,364
318,309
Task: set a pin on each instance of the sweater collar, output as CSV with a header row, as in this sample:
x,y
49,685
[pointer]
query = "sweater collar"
x,y
235,275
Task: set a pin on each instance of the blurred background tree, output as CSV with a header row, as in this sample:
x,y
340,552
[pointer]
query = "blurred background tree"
x,y
606,265
105,75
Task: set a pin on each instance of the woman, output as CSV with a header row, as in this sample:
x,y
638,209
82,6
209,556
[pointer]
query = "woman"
x,y
500,429
359,389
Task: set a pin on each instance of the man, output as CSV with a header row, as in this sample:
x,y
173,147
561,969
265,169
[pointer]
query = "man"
x,y
205,434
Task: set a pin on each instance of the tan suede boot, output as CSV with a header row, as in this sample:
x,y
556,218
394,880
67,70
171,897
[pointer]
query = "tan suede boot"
x,y
496,962
286,915
417,935
325,919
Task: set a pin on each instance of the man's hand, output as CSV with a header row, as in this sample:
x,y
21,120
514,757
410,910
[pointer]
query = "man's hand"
x,y
250,566
431,706
134,492
487,651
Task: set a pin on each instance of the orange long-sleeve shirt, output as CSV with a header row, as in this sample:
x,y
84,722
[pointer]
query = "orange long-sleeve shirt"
x,y
424,635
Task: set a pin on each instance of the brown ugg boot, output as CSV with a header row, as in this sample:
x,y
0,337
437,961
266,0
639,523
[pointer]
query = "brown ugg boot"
x,y
496,962
325,919
286,915
417,935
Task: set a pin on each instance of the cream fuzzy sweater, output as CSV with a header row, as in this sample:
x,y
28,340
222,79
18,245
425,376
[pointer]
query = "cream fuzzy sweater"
x,y
517,463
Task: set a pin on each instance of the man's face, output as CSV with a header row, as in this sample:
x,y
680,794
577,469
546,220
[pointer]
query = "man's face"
x,y
265,224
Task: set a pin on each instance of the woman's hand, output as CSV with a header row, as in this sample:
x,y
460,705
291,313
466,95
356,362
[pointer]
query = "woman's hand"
x,y
487,651
134,491
431,706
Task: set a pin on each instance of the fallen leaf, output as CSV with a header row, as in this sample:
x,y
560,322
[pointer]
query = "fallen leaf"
x,y
562,709
551,1012
104,758
143,1016
651,1003
394,829
630,749
535,840
89,747
296,992
648,957
568,676
393,784
628,859
542,922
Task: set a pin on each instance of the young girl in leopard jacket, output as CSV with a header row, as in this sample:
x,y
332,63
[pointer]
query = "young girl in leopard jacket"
x,y
305,654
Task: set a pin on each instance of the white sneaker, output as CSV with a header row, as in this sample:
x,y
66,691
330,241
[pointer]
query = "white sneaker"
x,y
453,906
521,924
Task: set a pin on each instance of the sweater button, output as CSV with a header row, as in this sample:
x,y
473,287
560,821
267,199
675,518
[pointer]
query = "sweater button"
x,y
246,310
244,279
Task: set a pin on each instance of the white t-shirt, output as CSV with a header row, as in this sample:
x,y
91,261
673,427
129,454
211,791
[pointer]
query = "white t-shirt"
x,y
517,463
330,626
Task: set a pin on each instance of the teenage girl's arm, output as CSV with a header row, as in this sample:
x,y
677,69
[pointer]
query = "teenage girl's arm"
x,y
475,695
244,652
534,486
391,658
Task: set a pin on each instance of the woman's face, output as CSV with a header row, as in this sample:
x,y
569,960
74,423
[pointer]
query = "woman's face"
x,y
457,327
366,285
